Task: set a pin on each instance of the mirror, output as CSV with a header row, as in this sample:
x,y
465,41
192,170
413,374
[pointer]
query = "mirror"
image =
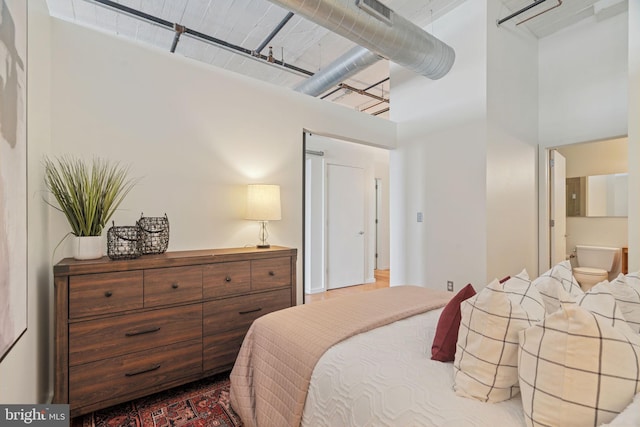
x,y
598,195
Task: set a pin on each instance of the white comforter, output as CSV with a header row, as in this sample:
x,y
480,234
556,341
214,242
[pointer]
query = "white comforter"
x,y
386,377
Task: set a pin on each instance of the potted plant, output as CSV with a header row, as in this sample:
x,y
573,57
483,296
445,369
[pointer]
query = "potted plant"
x,y
88,195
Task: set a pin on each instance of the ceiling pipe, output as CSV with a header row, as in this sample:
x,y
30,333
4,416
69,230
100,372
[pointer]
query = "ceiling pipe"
x,y
179,29
201,36
363,92
540,13
349,64
376,27
518,12
273,33
326,95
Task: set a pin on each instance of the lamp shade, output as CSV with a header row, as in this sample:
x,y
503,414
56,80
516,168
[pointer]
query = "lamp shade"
x,y
263,202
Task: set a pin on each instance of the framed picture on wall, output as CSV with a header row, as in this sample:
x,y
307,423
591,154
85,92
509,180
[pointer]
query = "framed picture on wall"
x,y
13,173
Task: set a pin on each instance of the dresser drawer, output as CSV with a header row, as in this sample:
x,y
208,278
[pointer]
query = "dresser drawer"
x,y
220,350
105,338
172,285
102,293
119,376
226,278
240,312
270,273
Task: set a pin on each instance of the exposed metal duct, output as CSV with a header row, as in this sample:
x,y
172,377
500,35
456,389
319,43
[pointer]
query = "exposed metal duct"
x,y
383,32
352,62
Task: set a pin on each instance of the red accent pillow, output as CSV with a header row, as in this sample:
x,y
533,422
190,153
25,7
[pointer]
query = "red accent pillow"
x,y
444,342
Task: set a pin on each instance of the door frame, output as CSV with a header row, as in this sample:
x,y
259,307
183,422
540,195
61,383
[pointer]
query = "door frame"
x,y
557,207
544,208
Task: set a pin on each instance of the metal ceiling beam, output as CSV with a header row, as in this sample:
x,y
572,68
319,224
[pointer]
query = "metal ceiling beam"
x,y
198,35
179,29
365,89
362,92
524,9
273,33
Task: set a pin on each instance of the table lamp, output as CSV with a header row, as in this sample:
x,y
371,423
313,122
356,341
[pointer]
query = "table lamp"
x,y
263,205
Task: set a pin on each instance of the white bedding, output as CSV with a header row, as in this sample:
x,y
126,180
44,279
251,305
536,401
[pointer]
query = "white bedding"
x,y
386,377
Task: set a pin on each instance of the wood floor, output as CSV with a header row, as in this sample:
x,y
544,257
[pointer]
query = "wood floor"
x,y
382,281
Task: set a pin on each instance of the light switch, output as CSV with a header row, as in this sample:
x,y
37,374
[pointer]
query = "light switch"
x,y
419,216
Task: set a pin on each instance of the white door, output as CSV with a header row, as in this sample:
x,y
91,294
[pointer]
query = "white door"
x,y
558,214
345,226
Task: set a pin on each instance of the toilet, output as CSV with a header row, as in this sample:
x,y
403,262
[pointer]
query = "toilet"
x,y
595,264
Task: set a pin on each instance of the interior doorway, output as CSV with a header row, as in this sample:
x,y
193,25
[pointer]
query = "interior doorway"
x,y
582,161
327,246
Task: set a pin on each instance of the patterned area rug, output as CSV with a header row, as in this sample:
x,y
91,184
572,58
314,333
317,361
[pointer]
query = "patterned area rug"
x,y
197,404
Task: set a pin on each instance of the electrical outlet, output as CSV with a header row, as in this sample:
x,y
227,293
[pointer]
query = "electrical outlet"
x,y
450,285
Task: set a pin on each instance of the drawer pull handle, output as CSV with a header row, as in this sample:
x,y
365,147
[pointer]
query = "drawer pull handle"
x,y
142,371
108,294
175,286
271,273
146,331
227,279
250,311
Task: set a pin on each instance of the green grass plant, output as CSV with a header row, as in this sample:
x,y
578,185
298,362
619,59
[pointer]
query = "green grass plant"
x,y
87,193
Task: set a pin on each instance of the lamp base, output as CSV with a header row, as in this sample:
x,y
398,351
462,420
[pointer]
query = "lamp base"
x,y
263,235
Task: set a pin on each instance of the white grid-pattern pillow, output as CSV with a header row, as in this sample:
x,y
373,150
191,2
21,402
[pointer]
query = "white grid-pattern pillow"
x,y
560,276
485,365
626,290
575,369
521,290
601,301
633,278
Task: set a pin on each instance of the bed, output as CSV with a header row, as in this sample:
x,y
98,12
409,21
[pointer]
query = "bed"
x,y
363,360
351,383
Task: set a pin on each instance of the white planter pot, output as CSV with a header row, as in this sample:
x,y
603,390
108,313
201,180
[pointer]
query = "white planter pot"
x,y
88,247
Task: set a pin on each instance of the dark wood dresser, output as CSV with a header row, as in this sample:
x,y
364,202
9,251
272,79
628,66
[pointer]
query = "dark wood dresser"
x,y
128,328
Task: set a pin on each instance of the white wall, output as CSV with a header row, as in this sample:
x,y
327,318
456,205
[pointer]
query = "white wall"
x,y
439,167
583,82
512,117
196,135
25,372
466,157
583,97
596,158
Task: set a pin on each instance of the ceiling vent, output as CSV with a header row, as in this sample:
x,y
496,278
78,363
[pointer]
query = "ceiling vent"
x,y
402,42
376,9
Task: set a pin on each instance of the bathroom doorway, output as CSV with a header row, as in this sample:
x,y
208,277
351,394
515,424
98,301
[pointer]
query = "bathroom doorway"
x,y
583,160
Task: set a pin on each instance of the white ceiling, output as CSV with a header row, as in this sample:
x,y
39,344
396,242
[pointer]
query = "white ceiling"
x,y
301,43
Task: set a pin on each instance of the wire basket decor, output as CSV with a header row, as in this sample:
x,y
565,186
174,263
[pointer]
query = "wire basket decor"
x,y
154,234
123,242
